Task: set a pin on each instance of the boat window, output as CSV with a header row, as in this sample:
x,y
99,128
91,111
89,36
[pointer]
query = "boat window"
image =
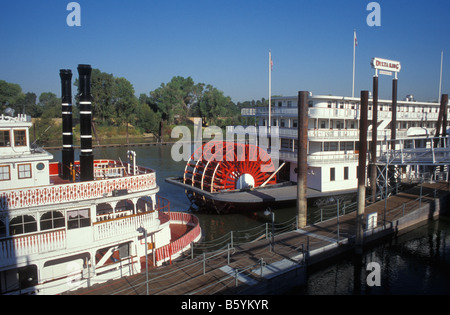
x,y
24,171
52,220
22,224
346,173
332,174
77,219
5,172
40,166
20,139
5,138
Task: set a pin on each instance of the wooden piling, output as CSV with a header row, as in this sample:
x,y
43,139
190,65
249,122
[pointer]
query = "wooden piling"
x,y
362,171
373,147
302,166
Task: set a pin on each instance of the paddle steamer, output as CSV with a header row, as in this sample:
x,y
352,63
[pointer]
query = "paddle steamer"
x,y
332,152
72,224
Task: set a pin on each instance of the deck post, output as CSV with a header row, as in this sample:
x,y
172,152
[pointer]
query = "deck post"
x,y
302,166
362,171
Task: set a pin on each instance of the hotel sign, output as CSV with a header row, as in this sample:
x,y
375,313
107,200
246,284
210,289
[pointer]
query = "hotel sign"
x,y
386,65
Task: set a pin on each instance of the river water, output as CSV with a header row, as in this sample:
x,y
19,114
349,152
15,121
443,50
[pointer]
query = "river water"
x,y
417,262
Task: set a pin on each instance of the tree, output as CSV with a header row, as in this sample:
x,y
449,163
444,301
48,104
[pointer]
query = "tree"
x,y
147,119
213,105
124,100
10,96
31,108
175,98
50,105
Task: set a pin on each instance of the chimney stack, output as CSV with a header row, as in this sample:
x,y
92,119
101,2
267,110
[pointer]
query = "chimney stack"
x,y
66,100
86,156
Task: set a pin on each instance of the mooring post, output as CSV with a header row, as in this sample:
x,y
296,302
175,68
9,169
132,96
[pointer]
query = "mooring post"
x,y
337,220
302,166
373,146
362,171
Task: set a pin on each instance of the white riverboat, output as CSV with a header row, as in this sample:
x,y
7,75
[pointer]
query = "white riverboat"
x,y
333,134
59,234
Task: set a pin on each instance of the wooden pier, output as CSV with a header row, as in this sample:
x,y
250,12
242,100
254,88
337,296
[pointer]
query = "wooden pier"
x,y
259,268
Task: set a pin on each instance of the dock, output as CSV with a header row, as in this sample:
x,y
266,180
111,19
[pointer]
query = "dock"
x,y
276,193
268,266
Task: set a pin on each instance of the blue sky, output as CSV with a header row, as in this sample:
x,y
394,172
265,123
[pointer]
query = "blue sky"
x,y
226,43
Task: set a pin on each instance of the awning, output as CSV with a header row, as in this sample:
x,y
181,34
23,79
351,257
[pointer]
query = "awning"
x,y
417,132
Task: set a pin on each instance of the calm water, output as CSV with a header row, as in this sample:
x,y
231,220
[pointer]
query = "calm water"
x,y
417,262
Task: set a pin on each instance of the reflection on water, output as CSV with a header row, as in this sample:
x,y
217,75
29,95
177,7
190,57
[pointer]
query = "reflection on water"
x,y
417,262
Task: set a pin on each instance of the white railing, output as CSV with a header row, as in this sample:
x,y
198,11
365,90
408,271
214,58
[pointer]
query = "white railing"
x,y
343,113
122,226
51,194
320,134
425,154
321,158
13,248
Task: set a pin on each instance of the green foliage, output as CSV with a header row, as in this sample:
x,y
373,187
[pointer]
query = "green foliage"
x,y
115,106
50,105
10,96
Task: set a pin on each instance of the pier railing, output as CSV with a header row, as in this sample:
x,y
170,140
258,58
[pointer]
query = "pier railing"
x,y
208,256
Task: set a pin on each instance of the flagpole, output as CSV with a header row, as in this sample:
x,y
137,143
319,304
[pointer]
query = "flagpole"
x,y
270,90
354,53
440,79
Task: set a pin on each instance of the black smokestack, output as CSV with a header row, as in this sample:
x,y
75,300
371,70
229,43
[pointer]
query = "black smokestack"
x,y
85,98
66,100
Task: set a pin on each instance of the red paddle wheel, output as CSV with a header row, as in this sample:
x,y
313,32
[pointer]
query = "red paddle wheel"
x,y
225,166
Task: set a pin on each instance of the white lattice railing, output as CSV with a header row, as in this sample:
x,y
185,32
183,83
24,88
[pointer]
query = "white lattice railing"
x,y
47,195
40,243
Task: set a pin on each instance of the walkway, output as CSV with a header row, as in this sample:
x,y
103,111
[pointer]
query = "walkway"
x,y
245,266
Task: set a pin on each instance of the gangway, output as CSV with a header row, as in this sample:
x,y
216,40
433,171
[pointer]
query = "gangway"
x,y
413,160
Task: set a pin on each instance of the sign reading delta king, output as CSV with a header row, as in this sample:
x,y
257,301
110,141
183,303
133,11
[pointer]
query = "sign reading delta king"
x,y
387,65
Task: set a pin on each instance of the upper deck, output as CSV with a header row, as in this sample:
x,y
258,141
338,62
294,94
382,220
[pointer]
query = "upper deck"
x,y
339,107
111,178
